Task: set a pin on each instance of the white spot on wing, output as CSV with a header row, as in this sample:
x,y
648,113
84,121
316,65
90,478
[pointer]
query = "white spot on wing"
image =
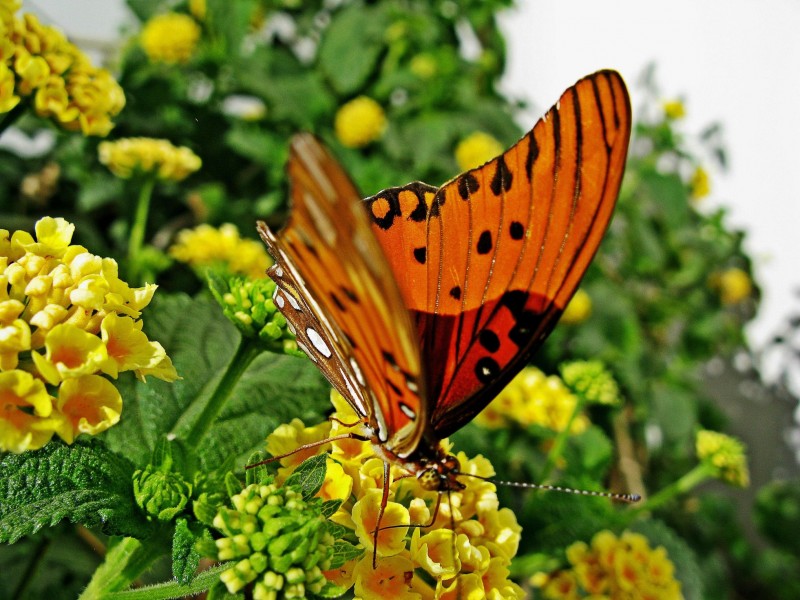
x,y
357,371
318,343
293,301
412,385
278,271
406,409
280,301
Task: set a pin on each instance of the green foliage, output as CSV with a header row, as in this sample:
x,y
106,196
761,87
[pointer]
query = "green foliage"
x,y
85,483
657,311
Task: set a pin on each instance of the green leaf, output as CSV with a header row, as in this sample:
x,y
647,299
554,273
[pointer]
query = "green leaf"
x,y
185,558
344,552
201,343
329,507
347,70
310,475
85,483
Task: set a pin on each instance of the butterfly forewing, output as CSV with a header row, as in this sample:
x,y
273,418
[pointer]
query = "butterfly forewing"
x,y
336,290
487,263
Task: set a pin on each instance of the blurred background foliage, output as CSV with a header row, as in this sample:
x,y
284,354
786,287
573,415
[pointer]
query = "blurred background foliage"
x,y
671,288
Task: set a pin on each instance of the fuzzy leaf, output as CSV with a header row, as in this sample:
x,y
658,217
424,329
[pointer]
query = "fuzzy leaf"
x,y
310,475
85,483
201,343
344,552
185,557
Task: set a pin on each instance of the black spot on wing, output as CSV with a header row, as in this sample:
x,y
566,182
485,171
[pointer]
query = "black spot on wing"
x,y
516,230
533,154
467,184
455,292
421,255
501,182
489,340
485,242
486,369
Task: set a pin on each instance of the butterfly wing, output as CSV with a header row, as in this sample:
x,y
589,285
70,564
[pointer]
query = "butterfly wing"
x,y
337,292
487,263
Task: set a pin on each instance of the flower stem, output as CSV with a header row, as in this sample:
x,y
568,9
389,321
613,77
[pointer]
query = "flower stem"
x,y
138,228
125,561
247,351
689,480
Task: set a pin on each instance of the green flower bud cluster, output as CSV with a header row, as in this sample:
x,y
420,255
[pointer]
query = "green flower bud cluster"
x,y
724,455
591,380
280,542
248,304
161,493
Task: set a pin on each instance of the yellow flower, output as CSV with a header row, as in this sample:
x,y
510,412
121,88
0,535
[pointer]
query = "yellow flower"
x,y
198,9
674,109
65,85
359,122
615,567
130,156
170,38
424,66
70,310
70,352
533,398
700,183
389,579
469,560
476,149
89,404
288,437
724,455
24,408
8,99
734,285
206,246
579,308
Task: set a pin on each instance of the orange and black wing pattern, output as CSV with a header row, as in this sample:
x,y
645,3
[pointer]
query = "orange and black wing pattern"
x,y
340,297
487,263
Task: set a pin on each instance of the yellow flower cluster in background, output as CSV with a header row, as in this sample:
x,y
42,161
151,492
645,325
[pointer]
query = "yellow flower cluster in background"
x,y
38,63
206,246
171,38
66,319
469,561
724,455
578,310
613,568
127,157
359,122
533,398
734,285
476,149
674,109
700,183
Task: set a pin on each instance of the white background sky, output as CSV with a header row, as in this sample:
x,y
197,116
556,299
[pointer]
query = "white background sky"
x,y
734,61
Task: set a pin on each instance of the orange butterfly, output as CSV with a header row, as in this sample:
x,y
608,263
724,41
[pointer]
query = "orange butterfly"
x,y
419,304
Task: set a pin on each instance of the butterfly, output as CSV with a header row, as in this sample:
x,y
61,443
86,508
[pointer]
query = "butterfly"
x,y
419,304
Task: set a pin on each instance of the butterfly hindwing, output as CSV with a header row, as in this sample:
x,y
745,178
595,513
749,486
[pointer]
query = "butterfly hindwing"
x,y
487,263
338,293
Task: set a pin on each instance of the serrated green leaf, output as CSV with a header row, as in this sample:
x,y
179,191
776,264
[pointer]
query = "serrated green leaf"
x,y
344,552
310,475
329,507
201,343
185,557
85,483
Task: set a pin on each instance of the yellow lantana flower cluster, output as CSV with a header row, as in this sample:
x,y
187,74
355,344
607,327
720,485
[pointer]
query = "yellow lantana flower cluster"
x,y
476,149
127,157
725,455
38,62
700,183
170,38
615,568
206,246
469,560
66,320
734,285
359,122
533,398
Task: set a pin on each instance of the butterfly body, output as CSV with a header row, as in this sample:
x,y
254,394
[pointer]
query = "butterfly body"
x,y
419,304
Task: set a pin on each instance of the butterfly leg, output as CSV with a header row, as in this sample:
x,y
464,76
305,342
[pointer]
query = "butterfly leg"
x,y
384,501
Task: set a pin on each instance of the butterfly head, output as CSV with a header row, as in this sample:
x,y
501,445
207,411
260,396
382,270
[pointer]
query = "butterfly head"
x,y
439,474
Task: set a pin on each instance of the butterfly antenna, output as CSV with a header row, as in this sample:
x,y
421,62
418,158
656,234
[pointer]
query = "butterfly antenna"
x,y
343,436
627,498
